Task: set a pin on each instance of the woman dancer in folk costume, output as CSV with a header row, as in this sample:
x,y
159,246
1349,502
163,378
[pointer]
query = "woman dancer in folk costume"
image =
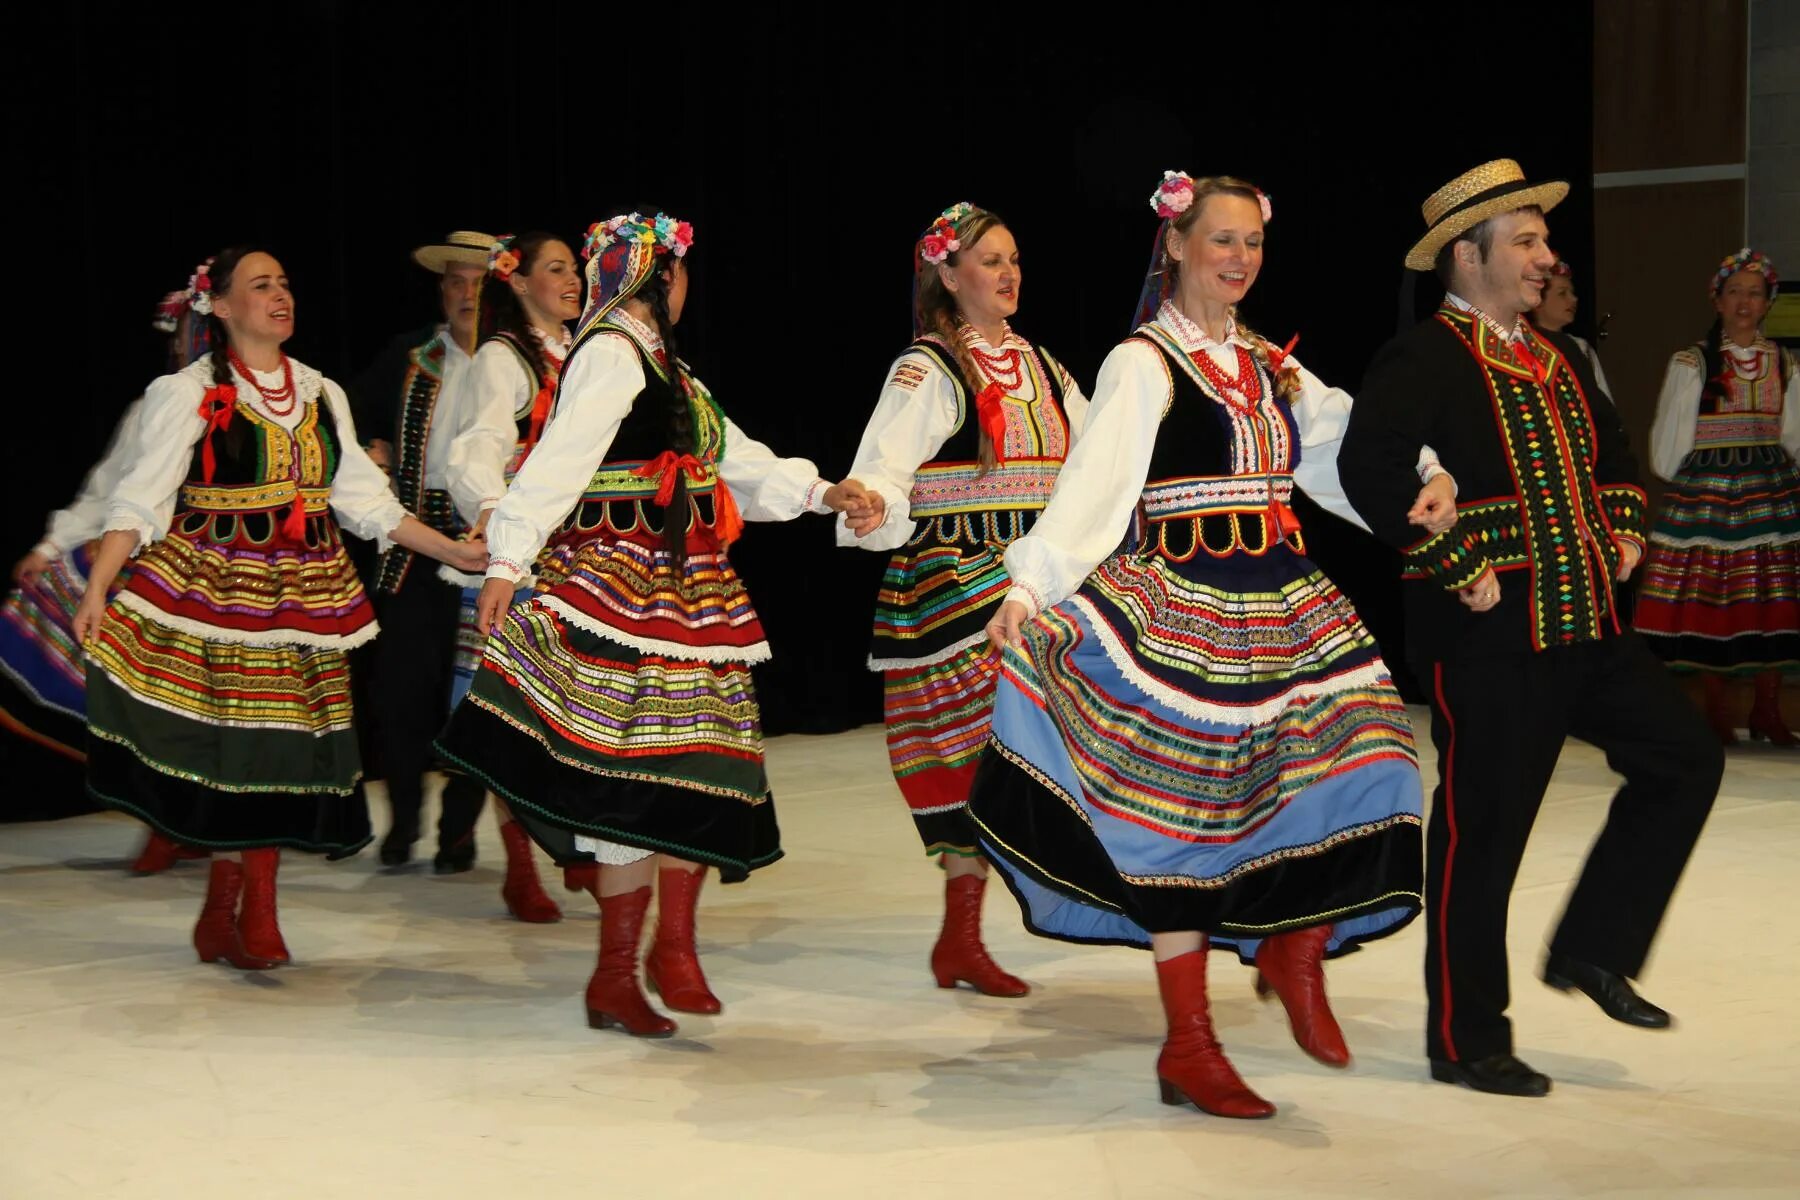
x,y
43,675
617,704
1720,594
218,687
964,446
1195,737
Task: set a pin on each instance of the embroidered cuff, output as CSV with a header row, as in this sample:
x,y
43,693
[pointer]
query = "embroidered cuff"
x,y
504,568
1452,559
490,502
1431,471
815,502
1027,595
47,549
1626,508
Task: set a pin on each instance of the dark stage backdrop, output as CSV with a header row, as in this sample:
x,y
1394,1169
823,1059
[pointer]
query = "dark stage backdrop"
x,y
809,146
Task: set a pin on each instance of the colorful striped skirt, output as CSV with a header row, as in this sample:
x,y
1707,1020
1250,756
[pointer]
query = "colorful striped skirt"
x,y
1720,590
42,675
218,689
939,671
1211,744
616,704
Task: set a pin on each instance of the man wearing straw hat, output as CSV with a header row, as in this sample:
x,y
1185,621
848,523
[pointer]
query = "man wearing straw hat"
x,y
1512,627
418,610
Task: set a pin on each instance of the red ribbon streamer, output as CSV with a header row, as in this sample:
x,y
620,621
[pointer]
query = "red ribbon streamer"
x,y
990,411
540,413
217,407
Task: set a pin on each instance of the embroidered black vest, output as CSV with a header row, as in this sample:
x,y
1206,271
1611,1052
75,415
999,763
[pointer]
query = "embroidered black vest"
x,y
964,443
418,403
1556,527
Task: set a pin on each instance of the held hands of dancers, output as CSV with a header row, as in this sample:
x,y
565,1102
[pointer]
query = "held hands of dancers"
x,y
864,509
470,557
1435,509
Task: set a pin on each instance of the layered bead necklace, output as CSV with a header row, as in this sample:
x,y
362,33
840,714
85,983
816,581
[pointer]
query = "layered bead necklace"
x,y
280,401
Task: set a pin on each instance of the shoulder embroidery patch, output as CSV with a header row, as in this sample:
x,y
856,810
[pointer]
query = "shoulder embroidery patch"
x,y
908,374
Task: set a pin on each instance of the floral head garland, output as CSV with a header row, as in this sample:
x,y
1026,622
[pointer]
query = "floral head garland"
x,y
1747,259
169,311
200,289
1563,268
940,241
503,260
621,254
1175,195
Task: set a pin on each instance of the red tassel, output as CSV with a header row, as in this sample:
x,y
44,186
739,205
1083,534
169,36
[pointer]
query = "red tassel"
x,y
990,410
293,526
217,407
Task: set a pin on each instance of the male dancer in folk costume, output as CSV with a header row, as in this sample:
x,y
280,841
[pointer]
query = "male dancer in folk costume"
x,y
1551,502
418,610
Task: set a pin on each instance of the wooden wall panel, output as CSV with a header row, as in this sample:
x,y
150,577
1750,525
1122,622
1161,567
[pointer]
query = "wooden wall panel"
x,y
1669,83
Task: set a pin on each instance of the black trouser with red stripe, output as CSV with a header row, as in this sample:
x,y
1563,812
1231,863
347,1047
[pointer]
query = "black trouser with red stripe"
x,y
414,657
1499,723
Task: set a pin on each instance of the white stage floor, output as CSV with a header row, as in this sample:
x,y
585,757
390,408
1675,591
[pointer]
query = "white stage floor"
x,y
426,1045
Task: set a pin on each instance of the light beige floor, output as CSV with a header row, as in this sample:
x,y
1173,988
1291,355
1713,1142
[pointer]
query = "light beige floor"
x,y
425,1045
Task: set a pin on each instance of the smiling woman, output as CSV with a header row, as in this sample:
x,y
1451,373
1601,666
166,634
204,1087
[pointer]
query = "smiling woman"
x,y
964,446
218,688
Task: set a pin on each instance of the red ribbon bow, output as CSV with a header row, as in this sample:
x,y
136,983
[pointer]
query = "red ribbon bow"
x,y
540,413
1522,351
1278,358
990,411
217,407
727,522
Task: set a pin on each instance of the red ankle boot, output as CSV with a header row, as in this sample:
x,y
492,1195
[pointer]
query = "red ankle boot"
x,y
216,932
1192,1067
523,892
158,855
257,923
583,877
1292,965
1718,708
673,968
959,955
1765,713
613,996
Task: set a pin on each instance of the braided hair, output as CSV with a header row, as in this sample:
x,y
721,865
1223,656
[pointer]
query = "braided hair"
x,y
679,419
224,265
937,311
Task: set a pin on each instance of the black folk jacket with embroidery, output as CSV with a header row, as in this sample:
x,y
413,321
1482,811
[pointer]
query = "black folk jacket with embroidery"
x,y
1547,487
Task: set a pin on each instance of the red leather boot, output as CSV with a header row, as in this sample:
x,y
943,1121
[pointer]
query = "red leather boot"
x,y
1192,1067
1765,713
216,932
1292,965
583,877
257,923
523,891
673,968
613,996
1718,708
959,955
161,853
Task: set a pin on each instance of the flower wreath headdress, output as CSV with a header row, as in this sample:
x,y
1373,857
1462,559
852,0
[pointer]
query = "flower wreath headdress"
x,y
1747,259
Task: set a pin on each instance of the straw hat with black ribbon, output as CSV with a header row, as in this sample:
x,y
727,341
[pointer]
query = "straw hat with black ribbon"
x,y
1490,190
462,246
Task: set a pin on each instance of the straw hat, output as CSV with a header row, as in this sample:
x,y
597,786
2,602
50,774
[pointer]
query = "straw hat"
x,y
463,246
1488,191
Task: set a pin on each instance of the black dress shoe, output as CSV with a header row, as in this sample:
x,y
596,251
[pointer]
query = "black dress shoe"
x,y
454,860
1610,990
1501,1074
